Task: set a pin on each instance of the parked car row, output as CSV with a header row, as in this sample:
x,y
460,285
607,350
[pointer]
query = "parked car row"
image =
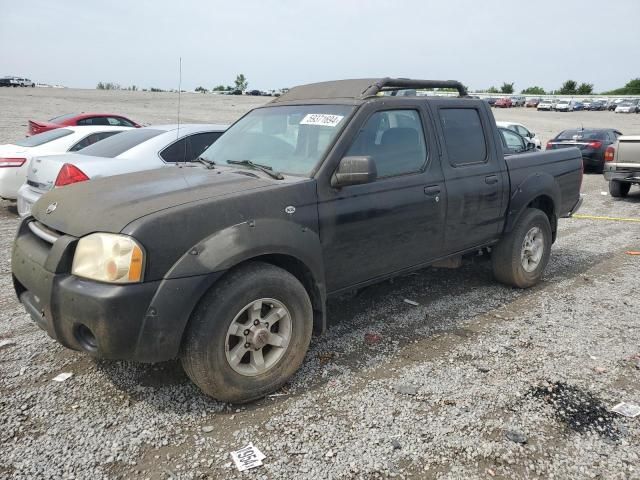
x,y
565,105
16,82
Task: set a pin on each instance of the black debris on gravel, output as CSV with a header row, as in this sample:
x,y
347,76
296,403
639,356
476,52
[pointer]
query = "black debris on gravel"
x,y
579,410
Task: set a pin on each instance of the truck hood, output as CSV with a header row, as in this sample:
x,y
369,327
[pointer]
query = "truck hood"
x,y
111,203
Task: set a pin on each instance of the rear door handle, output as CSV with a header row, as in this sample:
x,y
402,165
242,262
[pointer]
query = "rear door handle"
x,y
491,179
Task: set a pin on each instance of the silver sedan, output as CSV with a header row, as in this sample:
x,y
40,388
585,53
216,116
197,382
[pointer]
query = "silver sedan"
x,y
131,151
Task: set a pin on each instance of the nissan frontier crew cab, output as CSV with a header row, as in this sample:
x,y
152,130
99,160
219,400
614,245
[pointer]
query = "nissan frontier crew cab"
x,y
228,265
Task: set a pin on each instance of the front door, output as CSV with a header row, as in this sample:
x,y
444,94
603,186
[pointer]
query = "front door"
x,y
395,222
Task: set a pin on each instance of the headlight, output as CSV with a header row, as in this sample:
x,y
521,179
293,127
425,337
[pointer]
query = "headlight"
x,y
107,257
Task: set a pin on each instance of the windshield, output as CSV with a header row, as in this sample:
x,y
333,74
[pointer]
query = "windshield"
x,y
287,139
117,144
42,138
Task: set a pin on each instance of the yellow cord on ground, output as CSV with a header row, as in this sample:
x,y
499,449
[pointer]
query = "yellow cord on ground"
x,y
612,219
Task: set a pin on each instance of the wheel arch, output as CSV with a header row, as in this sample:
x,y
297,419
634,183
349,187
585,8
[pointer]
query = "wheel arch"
x,y
538,191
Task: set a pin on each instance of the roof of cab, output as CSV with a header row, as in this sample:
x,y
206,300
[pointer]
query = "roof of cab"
x,y
361,88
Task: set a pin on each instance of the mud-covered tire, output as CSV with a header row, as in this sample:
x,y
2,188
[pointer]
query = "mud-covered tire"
x,y
205,350
619,189
510,256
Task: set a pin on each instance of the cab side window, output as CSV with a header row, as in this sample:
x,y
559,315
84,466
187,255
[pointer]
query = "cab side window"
x,y
463,136
394,139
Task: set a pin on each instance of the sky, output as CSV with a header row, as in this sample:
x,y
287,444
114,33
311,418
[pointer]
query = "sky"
x,y
78,43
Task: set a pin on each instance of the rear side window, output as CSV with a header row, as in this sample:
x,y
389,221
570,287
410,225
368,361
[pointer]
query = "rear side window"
x,y
176,152
42,138
463,136
117,144
93,121
201,141
90,140
189,148
119,122
394,139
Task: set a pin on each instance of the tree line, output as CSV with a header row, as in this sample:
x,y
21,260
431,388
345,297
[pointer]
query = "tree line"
x,y
569,87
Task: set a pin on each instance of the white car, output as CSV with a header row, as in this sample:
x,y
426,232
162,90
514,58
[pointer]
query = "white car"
x,y
547,104
565,106
628,106
523,131
137,150
15,157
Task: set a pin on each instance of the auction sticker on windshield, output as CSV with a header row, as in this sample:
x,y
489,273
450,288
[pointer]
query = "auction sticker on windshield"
x,y
322,119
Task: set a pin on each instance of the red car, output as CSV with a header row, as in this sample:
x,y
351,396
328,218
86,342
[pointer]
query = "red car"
x,y
72,119
503,103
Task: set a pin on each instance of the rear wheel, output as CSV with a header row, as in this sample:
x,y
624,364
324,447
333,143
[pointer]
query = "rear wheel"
x,y
521,256
619,189
249,334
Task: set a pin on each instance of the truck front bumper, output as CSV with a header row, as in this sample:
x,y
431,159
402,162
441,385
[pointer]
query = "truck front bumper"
x,y
140,322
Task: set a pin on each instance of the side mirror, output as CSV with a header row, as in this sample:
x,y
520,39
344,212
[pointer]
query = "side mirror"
x,y
532,135
530,146
354,171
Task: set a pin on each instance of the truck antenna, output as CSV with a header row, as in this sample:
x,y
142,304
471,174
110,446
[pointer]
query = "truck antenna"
x,y
179,90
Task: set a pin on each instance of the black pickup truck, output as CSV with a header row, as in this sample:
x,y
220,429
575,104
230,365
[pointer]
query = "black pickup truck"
x,y
227,263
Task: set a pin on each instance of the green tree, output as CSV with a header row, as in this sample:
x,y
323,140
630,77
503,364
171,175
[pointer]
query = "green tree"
x,y
201,89
534,91
569,87
100,86
241,82
585,89
492,89
506,87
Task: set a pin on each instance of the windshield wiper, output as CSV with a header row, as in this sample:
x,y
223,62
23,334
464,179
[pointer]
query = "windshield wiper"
x,y
256,166
209,164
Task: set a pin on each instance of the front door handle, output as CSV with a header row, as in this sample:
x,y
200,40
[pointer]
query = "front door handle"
x,y
491,179
433,191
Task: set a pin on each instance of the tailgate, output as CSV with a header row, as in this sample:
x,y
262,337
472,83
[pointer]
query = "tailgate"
x,y
628,151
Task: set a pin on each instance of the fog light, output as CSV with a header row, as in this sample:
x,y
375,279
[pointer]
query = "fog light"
x,y
86,338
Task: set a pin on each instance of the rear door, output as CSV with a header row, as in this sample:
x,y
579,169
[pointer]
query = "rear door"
x,y
371,230
475,175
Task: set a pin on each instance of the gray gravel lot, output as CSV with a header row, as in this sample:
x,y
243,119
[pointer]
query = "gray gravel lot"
x,y
477,381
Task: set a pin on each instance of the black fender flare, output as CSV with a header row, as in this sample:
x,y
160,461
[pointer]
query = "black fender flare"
x,y
202,265
533,187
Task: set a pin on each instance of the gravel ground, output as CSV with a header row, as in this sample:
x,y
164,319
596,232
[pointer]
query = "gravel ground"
x,y
477,381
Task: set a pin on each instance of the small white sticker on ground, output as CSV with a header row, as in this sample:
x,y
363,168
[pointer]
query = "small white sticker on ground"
x,y
322,119
247,457
627,409
62,377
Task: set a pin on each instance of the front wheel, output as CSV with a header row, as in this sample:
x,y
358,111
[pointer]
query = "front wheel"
x,y
619,189
521,256
249,333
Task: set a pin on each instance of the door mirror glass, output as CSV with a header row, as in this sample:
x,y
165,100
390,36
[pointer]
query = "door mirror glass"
x,y
354,171
531,146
